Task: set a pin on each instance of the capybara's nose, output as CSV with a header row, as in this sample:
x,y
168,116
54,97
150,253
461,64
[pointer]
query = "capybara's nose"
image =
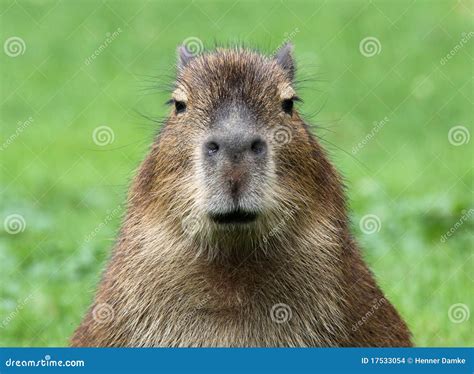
x,y
235,147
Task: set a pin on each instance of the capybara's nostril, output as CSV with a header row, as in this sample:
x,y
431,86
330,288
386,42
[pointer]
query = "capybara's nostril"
x,y
258,146
211,148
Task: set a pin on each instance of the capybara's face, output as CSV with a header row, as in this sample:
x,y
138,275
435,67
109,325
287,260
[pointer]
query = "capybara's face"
x,y
234,128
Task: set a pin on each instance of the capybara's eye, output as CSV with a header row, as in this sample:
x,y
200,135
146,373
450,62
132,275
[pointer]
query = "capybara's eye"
x,y
287,106
212,148
180,106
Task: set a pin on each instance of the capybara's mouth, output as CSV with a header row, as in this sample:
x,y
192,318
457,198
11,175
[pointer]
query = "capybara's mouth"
x,y
234,217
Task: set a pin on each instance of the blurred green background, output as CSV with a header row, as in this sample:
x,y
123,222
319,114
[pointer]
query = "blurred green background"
x,y
408,105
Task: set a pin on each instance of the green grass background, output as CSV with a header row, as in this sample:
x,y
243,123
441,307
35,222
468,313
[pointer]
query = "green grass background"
x,y
70,191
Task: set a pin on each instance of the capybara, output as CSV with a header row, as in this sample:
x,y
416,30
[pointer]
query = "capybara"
x,y
236,232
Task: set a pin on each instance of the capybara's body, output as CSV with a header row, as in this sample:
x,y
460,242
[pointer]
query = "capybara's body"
x,y
236,233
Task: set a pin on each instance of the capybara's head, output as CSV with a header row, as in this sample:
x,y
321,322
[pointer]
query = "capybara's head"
x,y
234,165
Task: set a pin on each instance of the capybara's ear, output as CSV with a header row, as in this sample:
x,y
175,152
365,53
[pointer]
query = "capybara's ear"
x,y
284,57
184,56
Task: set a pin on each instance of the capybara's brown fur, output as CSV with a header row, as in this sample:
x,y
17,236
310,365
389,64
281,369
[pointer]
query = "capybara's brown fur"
x,y
236,233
